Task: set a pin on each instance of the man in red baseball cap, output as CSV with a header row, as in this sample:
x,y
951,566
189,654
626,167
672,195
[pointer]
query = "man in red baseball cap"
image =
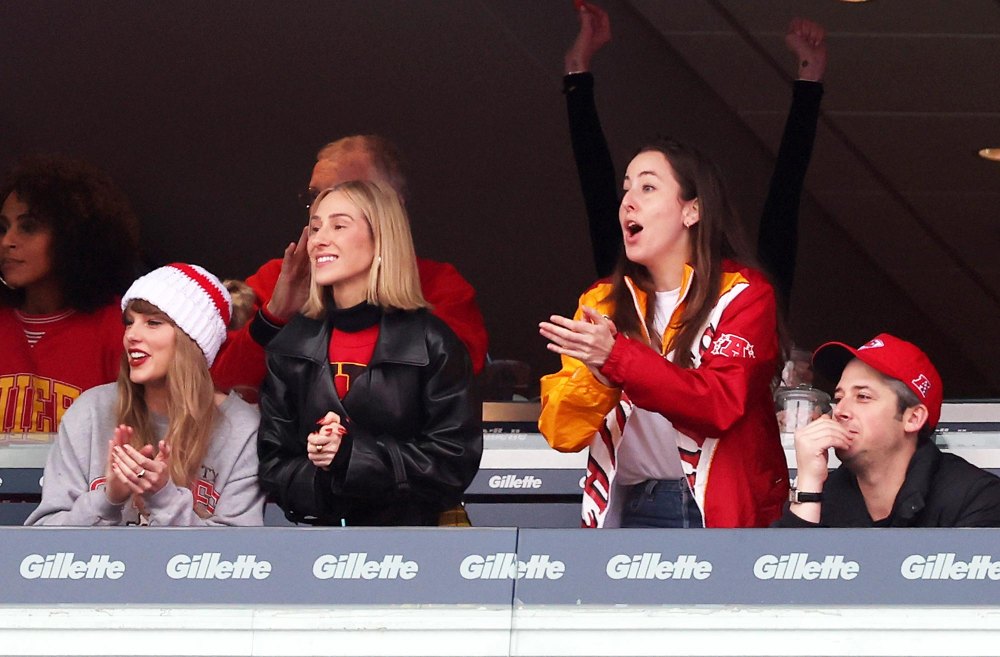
x,y
888,402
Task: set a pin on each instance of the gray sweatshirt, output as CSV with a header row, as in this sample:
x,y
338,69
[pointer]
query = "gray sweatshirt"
x,y
225,491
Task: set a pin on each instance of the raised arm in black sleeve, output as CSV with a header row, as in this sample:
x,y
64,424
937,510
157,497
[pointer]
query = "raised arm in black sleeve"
x,y
778,239
596,171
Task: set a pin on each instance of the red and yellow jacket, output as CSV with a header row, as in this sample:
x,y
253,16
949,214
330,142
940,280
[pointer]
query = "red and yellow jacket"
x,y
723,403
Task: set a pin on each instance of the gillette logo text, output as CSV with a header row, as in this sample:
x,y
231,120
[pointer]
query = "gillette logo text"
x,y
64,565
944,565
210,565
357,565
505,565
798,566
650,565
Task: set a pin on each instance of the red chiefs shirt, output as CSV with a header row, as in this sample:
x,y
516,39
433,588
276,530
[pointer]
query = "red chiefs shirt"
x,y
38,383
352,343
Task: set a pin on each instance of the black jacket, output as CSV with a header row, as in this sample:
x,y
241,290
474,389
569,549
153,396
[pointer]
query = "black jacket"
x,y
940,490
414,436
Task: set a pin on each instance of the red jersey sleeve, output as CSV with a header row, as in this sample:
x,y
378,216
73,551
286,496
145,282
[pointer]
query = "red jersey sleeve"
x,y
239,364
453,300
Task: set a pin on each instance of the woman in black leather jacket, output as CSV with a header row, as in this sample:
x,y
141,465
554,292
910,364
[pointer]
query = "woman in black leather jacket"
x,y
367,410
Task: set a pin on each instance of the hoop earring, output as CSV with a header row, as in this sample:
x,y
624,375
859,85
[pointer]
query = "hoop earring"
x,y
6,284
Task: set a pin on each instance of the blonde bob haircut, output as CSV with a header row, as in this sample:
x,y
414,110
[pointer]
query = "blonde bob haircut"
x,y
393,281
191,409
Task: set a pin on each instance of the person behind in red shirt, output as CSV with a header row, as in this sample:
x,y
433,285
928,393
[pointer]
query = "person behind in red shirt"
x,y
282,285
667,365
68,248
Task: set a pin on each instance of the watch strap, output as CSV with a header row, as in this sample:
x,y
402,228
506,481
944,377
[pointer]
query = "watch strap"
x,y
795,496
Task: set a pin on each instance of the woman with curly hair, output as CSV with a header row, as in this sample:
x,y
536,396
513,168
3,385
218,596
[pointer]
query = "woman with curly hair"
x,y
68,248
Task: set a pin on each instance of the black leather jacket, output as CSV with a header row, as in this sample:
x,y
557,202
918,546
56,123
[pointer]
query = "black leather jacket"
x,y
414,436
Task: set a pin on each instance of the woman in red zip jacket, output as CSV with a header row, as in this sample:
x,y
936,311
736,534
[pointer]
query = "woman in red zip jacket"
x,y
667,365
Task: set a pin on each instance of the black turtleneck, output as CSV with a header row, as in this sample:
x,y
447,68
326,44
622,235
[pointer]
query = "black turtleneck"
x,y
356,318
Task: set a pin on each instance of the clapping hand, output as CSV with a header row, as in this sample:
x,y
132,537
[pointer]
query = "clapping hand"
x,y
589,340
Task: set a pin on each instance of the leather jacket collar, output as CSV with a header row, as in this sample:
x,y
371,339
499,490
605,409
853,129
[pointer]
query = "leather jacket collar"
x,y
395,343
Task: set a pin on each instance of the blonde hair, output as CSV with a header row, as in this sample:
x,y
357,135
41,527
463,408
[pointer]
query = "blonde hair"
x,y
191,410
244,302
393,281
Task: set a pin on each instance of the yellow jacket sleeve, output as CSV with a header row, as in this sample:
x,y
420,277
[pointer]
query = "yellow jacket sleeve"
x,y
574,403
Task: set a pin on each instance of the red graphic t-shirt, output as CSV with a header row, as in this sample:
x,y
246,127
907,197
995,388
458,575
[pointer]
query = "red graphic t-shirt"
x,y
350,354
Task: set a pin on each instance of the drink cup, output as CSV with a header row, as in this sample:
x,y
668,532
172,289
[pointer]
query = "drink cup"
x,y
796,407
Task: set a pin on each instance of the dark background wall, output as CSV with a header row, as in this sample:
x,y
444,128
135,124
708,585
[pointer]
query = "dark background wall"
x,y
210,114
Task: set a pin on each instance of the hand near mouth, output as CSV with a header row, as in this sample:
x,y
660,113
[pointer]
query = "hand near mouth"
x,y
813,443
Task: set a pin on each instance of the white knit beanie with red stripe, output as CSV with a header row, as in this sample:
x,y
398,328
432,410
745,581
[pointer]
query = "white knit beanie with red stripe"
x,y
193,298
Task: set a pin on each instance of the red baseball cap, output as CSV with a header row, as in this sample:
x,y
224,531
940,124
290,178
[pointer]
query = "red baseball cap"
x,y
895,358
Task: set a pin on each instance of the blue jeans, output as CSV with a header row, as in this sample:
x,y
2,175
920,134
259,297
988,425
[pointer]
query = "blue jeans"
x,y
661,503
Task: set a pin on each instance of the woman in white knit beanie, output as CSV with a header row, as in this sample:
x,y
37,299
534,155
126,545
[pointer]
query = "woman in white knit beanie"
x,y
160,446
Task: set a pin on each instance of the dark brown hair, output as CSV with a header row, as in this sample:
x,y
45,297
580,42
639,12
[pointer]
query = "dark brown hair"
x,y
715,236
94,232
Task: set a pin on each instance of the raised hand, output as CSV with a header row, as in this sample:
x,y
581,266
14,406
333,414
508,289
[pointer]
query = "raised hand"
x,y
292,288
807,41
595,33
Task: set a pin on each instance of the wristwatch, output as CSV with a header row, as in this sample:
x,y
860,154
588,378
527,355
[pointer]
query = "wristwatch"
x,y
795,496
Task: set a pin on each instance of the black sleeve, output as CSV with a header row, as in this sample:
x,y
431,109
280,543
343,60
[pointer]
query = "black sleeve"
x,y
596,170
778,239
789,520
981,504
261,329
286,473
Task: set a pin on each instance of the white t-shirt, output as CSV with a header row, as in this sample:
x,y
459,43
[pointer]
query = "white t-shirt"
x,y
649,444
